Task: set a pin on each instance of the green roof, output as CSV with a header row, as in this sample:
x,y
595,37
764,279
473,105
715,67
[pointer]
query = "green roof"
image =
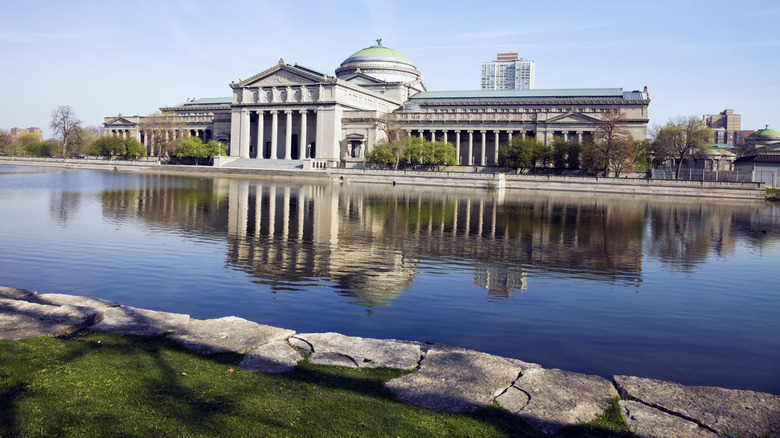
x,y
378,52
552,93
209,101
766,132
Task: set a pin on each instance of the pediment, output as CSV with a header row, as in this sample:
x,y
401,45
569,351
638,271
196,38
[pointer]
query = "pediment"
x,y
283,75
573,117
119,121
363,79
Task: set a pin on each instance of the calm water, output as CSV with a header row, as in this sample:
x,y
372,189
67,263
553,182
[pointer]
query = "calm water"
x,y
682,290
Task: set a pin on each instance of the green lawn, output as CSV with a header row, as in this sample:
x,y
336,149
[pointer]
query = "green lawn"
x,y
96,384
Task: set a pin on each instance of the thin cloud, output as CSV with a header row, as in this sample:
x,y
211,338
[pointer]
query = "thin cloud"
x,y
493,34
30,37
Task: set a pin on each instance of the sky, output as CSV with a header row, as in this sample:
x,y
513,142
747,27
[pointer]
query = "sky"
x,y
132,57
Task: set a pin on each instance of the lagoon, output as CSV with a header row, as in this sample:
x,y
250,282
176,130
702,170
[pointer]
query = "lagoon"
x,y
674,289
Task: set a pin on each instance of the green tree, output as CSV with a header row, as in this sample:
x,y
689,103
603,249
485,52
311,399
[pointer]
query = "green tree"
x,y
522,153
643,155
107,145
565,154
681,138
443,154
40,149
65,124
382,155
82,139
6,142
396,139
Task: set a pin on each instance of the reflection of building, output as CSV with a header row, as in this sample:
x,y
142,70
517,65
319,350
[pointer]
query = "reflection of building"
x,y
508,72
292,113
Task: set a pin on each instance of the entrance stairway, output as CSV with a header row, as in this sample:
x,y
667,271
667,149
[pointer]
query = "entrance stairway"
x,y
253,163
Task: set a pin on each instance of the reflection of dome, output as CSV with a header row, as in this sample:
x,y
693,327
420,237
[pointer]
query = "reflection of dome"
x,y
380,62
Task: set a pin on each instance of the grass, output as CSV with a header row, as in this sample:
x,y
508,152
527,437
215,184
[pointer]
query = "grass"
x,y
97,384
771,191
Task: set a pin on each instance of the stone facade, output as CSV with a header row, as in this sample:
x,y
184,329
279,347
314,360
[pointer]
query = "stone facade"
x,y
290,112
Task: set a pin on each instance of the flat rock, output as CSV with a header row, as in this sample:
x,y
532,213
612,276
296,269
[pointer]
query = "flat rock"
x,y
129,320
23,319
726,411
551,399
332,348
73,300
13,293
273,357
228,334
649,422
456,380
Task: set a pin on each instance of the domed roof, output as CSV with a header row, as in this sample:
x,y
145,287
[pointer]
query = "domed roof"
x,y
766,132
380,62
378,52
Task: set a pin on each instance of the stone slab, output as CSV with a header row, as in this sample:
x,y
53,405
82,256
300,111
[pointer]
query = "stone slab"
x,y
649,422
129,320
456,380
726,411
228,334
273,357
550,399
23,319
13,293
326,348
73,300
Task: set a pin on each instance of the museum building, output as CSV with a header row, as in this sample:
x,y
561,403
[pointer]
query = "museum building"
x,y
289,112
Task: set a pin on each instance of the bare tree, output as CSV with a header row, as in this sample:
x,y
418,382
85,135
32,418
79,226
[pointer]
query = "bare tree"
x,y
612,141
680,138
396,139
6,141
65,124
158,128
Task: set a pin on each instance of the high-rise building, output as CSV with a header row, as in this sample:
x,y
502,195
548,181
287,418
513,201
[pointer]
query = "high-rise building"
x,y
508,72
16,132
726,128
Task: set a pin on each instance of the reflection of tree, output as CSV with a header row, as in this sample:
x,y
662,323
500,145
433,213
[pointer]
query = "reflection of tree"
x,y
62,205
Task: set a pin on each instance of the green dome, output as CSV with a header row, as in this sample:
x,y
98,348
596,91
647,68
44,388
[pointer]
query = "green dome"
x,y
766,132
378,52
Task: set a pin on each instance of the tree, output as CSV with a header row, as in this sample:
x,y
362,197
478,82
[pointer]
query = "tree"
x,y
522,153
382,155
40,149
611,146
681,138
396,139
565,154
158,128
115,145
65,124
6,142
82,139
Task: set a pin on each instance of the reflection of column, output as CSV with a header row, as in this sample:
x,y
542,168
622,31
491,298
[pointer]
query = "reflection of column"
x,y
455,218
302,146
495,218
481,216
260,133
288,136
237,207
274,133
272,211
258,209
300,214
468,217
470,158
286,213
326,214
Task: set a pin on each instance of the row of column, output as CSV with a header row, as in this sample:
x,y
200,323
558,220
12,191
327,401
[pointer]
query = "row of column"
x,y
483,141
244,140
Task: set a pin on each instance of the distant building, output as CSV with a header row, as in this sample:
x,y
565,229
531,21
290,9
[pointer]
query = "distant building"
x,y
16,132
508,72
727,128
764,140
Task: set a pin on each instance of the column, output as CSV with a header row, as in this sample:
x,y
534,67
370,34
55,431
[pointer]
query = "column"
x,y
274,133
260,135
495,153
433,135
457,145
510,137
288,137
470,158
243,142
565,135
302,146
421,134
484,142
445,136
579,136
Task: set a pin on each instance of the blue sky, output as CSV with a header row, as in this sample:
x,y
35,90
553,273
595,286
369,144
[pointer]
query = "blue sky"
x,y
132,57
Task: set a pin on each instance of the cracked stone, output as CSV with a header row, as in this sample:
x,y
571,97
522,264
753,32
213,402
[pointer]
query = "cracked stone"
x,y
133,321
13,293
726,411
228,334
551,399
649,422
456,380
23,319
364,352
273,357
333,359
73,300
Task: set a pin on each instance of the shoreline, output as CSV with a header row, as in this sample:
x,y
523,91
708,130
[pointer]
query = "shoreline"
x,y
500,182
442,377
